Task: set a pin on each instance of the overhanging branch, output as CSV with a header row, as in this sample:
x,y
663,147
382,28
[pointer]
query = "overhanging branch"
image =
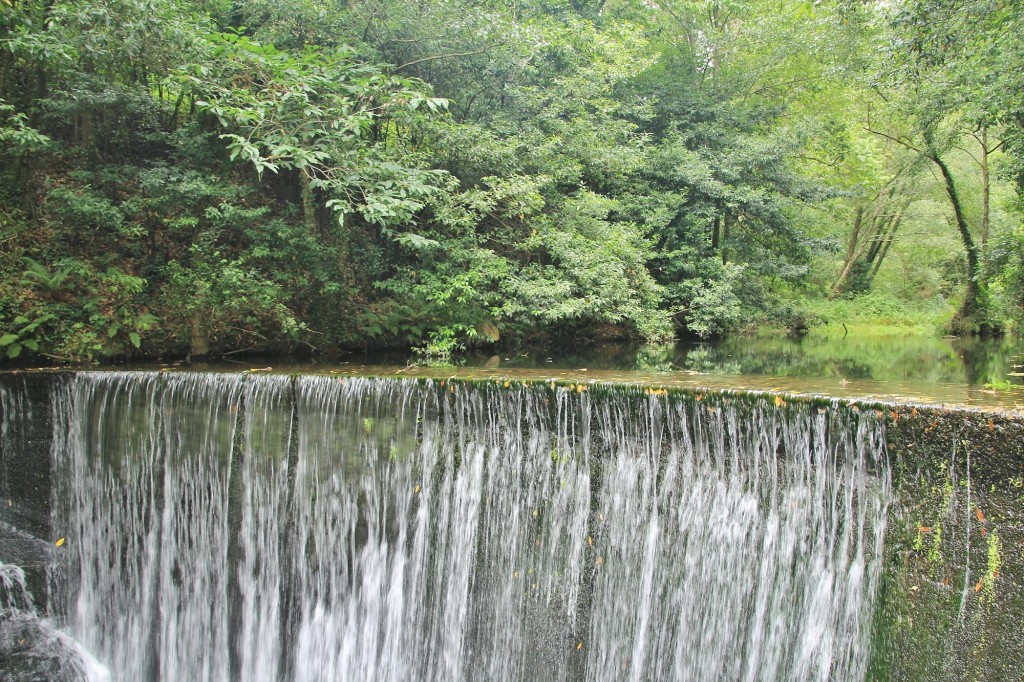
x,y
450,55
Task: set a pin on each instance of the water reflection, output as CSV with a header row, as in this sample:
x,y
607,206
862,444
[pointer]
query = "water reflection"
x,y
982,373
970,361
969,372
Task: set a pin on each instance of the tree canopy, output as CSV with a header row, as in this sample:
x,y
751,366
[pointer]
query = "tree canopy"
x,y
196,177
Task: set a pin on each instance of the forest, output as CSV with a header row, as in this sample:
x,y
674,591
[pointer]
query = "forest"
x,y
200,177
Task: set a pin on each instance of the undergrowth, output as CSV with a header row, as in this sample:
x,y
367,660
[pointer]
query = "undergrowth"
x,y
879,314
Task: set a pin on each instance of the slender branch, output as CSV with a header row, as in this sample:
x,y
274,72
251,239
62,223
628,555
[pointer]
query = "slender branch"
x,y
969,153
784,84
984,144
902,143
447,56
823,162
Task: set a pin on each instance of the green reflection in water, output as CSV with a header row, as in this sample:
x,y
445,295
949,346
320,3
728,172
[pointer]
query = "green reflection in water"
x,y
920,359
969,361
915,369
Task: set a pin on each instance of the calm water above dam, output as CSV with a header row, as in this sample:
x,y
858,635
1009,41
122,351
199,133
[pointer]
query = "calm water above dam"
x,y
918,359
985,373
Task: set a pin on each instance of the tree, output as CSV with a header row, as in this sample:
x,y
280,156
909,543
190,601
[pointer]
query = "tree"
x,y
945,57
336,121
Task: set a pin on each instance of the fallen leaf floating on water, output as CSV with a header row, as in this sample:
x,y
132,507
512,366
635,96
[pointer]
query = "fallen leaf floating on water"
x,y
984,532
417,488
977,588
924,529
991,426
895,416
699,397
579,646
913,412
580,388
60,542
979,514
779,402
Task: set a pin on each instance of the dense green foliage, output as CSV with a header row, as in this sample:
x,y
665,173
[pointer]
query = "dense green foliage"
x,y
185,177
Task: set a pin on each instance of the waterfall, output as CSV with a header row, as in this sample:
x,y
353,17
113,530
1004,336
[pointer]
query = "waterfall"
x,y
243,527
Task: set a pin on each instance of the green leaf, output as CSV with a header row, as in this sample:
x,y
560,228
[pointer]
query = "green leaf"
x,y
135,339
417,242
14,351
145,321
8,339
31,344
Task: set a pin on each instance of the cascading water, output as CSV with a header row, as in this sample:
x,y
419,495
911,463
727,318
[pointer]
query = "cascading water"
x,y
242,527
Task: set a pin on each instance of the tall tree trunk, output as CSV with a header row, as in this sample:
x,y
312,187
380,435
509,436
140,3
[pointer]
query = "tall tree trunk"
x,y
886,239
877,264
199,345
851,253
973,314
308,205
725,235
985,187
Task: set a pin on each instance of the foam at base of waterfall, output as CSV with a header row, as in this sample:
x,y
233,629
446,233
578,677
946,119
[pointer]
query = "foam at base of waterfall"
x,y
32,648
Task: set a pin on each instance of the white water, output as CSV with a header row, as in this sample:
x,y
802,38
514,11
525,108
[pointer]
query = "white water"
x,y
254,528
31,648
